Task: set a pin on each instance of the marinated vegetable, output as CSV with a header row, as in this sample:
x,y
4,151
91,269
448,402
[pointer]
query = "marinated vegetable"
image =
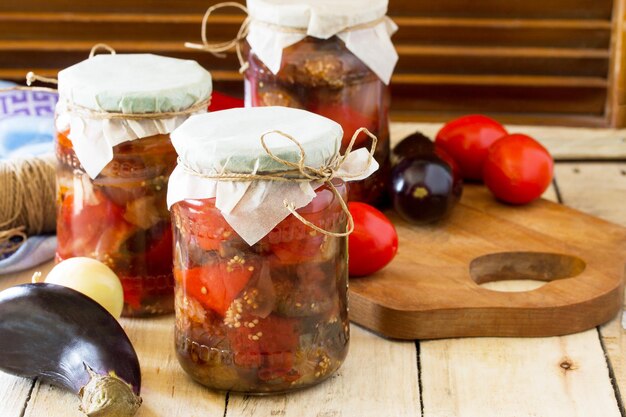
x,y
65,338
121,219
269,317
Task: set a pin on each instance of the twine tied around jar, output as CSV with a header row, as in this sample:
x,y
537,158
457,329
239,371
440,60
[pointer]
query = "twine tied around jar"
x,y
218,48
300,172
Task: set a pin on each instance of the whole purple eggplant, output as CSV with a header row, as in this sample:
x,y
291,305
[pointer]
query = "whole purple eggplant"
x,y
63,337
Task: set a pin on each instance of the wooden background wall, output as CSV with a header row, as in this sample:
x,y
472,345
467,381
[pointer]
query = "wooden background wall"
x,y
531,61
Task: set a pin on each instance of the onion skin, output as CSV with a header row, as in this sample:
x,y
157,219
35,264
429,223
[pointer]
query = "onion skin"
x,y
63,337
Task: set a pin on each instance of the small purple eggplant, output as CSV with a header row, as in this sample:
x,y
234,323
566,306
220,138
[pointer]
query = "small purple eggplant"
x,y
63,337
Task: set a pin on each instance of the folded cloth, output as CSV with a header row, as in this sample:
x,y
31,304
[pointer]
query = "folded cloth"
x,y
26,130
35,251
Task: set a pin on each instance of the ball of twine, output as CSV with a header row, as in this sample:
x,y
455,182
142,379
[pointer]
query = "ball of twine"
x,y
27,199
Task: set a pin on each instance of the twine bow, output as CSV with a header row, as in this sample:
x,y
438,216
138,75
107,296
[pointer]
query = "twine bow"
x,y
300,172
218,48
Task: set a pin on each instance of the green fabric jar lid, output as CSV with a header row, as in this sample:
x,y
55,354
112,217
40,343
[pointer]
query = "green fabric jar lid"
x,y
135,83
230,140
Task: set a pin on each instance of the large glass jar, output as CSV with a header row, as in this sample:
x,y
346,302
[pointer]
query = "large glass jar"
x,y
121,218
324,77
260,247
265,318
114,118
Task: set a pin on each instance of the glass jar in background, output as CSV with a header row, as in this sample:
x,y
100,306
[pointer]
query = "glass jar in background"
x,y
112,175
261,295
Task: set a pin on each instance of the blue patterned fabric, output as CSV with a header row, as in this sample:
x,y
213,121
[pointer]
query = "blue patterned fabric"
x,y
26,123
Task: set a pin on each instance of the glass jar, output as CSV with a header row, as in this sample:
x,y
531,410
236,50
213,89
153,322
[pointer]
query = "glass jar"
x,y
260,247
121,218
266,318
114,118
324,77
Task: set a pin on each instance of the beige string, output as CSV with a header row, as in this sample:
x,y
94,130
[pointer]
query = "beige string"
x,y
86,113
98,46
31,77
27,199
218,48
301,172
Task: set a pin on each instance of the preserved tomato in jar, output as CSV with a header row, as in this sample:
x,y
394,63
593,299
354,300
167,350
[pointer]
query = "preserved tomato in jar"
x,y
260,258
114,162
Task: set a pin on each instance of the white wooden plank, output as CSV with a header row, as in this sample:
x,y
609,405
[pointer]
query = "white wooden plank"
x,y
600,189
559,376
13,394
379,378
562,142
595,188
167,390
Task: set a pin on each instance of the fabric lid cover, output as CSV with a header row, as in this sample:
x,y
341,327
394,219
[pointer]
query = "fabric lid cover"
x,y
229,141
321,18
128,84
135,83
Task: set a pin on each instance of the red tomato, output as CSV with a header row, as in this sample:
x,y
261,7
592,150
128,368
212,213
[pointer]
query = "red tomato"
x,y
215,286
467,140
91,229
374,242
518,169
208,226
221,101
292,241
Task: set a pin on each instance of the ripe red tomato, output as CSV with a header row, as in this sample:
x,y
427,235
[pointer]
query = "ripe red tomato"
x,y
518,169
467,140
215,286
374,242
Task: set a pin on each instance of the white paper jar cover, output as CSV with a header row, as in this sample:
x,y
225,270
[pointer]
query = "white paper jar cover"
x,y
229,141
360,24
127,84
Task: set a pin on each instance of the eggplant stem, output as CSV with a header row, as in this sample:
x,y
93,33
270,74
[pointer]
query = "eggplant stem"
x,y
108,396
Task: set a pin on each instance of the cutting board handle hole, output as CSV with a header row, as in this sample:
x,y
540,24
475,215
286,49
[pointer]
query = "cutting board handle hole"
x,y
533,266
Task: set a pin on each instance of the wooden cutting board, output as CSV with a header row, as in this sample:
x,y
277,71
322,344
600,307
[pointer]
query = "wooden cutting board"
x,y
431,289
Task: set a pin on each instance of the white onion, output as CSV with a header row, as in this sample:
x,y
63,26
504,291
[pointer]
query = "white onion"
x,y
92,278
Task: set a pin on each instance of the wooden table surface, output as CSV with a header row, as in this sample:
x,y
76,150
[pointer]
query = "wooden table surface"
x,y
576,375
